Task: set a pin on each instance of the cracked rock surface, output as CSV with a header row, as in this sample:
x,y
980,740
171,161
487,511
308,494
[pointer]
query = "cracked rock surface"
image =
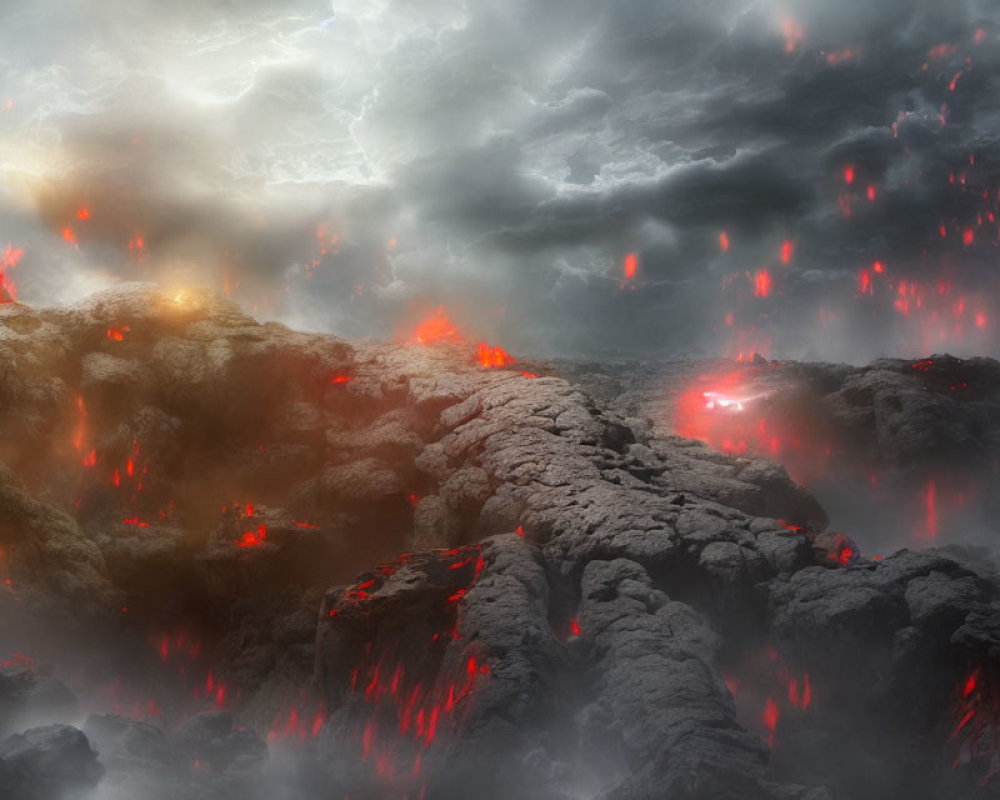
x,y
413,576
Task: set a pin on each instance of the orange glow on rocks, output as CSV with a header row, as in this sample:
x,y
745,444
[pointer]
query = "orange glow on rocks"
x,y
436,328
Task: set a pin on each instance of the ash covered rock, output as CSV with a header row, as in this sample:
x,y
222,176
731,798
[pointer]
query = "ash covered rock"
x,y
48,763
30,696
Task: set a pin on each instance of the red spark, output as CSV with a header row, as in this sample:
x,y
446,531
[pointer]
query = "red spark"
x,y
68,235
845,556
83,213
118,334
968,237
9,260
339,380
724,241
574,627
786,252
793,33
970,684
871,193
930,504
630,266
771,714
980,36
849,175
762,283
878,267
865,283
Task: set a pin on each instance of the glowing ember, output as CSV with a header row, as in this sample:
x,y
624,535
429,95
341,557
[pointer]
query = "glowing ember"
x,y
253,538
118,334
771,714
724,241
793,33
83,213
849,175
8,260
436,328
786,252
762,284
340,380
492,357
630,266
930,505
69,235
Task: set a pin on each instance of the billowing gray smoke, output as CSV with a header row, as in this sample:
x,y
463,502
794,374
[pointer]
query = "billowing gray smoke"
x,y
349,167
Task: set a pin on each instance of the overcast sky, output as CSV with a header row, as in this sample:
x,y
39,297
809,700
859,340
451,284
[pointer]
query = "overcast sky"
x,y
351,166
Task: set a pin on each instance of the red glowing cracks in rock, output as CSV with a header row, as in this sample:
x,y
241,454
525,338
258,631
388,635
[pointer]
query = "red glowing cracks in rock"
x,y
253,538
492,357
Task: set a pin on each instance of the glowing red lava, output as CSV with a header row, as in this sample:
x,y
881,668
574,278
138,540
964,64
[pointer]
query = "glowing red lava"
x,y
493,357
436,328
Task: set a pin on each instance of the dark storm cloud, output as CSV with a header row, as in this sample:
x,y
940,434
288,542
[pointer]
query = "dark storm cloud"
x,y
349,166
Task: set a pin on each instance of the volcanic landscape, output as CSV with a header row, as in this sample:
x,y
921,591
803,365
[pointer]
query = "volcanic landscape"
x,y
238,561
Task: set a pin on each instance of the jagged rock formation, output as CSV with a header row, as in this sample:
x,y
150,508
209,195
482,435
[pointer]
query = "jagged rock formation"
x,y
581,604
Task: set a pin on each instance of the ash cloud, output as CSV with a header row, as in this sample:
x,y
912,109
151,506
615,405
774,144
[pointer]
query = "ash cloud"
x,y
347,167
